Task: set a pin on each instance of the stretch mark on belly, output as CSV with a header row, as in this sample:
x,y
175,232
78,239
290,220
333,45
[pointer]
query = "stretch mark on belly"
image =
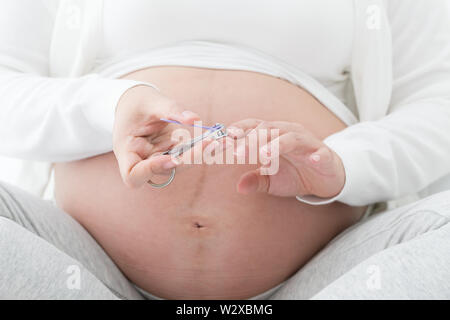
x,y
207,117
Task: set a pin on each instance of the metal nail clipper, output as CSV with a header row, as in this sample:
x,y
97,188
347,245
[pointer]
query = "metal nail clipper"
x,y
215,132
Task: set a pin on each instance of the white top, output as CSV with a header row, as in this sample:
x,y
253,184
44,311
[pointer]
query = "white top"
x,y
399,66
216,55
292,32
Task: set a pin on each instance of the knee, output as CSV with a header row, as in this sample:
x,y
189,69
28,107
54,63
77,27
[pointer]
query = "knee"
x,y
437,204
425,215
6,201
410,221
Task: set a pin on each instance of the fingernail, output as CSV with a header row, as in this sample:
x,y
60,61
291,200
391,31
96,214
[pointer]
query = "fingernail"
x,y
315,157
171,164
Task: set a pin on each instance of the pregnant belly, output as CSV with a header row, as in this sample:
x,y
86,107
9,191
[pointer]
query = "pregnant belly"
x,y
198,238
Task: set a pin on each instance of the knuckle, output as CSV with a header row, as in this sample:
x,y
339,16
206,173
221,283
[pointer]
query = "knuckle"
x,y
304,186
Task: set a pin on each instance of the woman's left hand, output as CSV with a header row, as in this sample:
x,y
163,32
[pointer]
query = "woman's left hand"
x,y
306,165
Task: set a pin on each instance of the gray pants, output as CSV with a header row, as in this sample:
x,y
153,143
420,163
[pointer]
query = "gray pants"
x,y
403,253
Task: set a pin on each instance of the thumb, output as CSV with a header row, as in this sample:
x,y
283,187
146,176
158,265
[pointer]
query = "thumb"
x,y
252,182
322,160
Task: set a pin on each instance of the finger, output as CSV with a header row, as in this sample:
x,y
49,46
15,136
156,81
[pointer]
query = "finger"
x,y
136,173
240,128
147,129
322,160
195,153
185,117
154,123
223,144
139,145
244,150
253,182
245,127
164,145
292,142
165,137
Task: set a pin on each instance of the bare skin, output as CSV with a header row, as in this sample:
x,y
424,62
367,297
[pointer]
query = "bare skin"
x,y
199,238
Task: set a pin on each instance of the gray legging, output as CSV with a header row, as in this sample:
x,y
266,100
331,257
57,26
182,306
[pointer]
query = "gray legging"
x,y
403,253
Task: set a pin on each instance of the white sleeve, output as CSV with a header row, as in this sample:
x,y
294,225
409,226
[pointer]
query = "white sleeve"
x,y
43,118
409,148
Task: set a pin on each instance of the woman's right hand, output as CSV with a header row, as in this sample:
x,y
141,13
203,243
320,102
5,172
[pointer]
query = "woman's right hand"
x,y
139,136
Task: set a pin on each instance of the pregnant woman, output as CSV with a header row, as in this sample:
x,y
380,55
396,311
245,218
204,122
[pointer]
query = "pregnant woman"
x,y
358,91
